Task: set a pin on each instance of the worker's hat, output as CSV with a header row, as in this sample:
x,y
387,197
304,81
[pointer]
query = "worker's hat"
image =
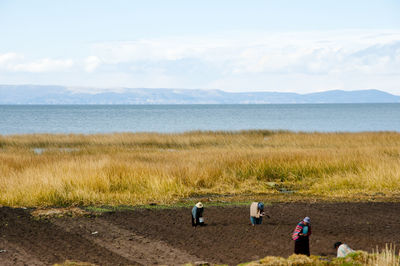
x,y
199,205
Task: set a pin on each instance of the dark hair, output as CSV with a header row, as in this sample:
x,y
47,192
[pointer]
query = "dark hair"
x,y
337,244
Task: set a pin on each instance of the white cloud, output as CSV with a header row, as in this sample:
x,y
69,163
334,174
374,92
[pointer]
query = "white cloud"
x,y
9,57
236,61
13,62
91,63
43,65
309,52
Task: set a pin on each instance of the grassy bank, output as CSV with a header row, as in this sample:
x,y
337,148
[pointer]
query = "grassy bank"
x,y
384,257
114,169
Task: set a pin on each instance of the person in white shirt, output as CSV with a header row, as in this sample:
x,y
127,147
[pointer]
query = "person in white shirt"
x,y
256,213
342,249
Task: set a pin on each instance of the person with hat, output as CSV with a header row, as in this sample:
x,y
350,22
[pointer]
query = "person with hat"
x,y
256,213
301,236
342,249
197,215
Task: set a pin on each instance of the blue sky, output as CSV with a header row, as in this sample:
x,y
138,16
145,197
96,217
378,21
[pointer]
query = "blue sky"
x,y
299,46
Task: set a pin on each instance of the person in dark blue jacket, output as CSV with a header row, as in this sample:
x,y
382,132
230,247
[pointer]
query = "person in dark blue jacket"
x,y
197,214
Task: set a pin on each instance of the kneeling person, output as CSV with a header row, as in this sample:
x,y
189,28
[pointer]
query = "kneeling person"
x,y
342,249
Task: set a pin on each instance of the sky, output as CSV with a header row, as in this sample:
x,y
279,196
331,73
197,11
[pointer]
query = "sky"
x,y
285,46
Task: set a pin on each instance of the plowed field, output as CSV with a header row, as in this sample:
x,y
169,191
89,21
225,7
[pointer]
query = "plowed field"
x,y
154,236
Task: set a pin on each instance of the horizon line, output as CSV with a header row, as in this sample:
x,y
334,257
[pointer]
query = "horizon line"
x,y
112,89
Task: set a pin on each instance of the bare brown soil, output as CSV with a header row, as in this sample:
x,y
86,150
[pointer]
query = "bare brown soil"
x,y
151,236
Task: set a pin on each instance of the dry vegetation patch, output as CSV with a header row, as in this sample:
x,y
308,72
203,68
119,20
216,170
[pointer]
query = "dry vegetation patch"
x,y
58,212
74,263
140,168
384,257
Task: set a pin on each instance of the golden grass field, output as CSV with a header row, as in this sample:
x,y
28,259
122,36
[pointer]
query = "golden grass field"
x,y
134,169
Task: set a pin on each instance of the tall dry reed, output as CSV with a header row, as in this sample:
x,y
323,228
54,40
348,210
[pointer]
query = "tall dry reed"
x,y
148,167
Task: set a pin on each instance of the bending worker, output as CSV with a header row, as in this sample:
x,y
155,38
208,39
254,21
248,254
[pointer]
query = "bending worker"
x,y
197,214
301,236
256,213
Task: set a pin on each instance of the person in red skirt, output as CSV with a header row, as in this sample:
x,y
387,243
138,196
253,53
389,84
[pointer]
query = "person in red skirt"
x,y
301,236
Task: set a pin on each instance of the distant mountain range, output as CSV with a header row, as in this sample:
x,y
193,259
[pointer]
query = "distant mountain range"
x,y
36,94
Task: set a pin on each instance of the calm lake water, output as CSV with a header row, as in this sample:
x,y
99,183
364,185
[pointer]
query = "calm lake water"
x,y
21,119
